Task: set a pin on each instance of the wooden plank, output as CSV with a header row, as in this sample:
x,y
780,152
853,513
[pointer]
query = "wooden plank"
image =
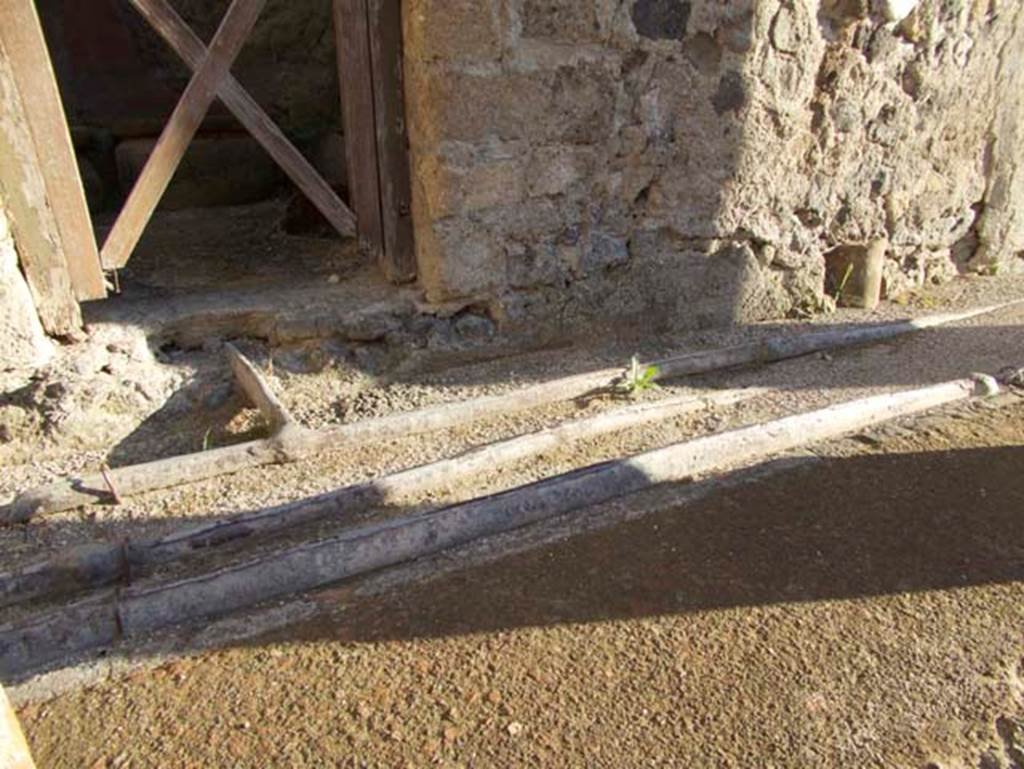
x,y
14,752
179,36
356,86
392,490
181,128
257,390
144,608
398,259
97,565
44,112
23,194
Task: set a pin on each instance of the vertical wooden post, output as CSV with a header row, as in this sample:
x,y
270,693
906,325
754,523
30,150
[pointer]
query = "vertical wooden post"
x,y
22,36
14,752
385,26
355,80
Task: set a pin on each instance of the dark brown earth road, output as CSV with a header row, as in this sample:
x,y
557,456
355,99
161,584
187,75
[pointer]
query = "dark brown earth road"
x,y
866,611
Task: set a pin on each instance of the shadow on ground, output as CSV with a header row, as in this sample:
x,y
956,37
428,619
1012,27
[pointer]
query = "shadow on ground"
x,y
846,528
936,509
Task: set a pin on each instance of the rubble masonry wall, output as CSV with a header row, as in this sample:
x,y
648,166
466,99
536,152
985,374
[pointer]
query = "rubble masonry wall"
x,y
693,163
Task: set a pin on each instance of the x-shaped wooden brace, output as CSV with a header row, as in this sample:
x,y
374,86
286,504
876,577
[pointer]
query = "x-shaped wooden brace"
x,y
211,78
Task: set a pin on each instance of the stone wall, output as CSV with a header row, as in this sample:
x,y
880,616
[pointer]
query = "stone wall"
x,y
693,163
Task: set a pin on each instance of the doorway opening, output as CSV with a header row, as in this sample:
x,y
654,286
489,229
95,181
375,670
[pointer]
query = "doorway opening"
x,y
230,149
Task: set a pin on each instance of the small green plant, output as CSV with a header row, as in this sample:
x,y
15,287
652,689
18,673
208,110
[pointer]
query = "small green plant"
x,y
208,439
639,378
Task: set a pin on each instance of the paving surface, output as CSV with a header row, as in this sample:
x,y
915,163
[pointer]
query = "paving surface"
x,y
860,608
339,392
865,610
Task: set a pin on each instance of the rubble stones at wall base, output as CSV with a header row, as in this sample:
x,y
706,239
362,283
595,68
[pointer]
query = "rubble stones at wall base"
x,y
23,345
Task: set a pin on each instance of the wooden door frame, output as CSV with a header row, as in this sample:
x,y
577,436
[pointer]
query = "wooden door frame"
x,y
371,81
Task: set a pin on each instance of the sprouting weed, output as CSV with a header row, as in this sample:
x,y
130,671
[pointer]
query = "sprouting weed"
x,y
639,378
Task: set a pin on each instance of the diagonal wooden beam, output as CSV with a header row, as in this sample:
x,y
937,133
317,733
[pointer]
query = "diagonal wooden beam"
x,y
178,133
14,752
21,35
179,36
23,194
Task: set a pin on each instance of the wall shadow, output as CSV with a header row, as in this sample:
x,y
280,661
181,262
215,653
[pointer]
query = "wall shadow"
x,y
837,529
851,528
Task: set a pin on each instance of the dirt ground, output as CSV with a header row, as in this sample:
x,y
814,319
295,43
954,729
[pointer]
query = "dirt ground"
x,y
862,610
342,387
859,605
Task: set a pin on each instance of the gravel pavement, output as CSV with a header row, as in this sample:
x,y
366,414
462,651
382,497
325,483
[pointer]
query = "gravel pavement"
x,y
860,608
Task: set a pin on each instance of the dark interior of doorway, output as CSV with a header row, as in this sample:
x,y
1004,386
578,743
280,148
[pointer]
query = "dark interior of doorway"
x,y
231,220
